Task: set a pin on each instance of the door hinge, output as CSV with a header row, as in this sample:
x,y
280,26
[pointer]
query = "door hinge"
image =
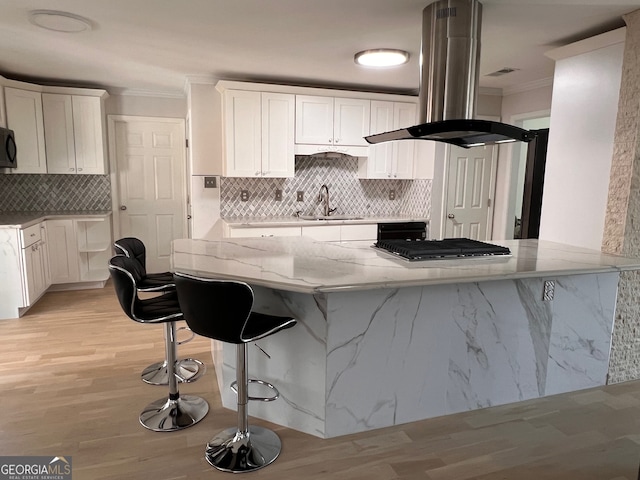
x,y
488,203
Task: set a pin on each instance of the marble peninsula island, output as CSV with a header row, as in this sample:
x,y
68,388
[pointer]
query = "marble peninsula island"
x,y
382,341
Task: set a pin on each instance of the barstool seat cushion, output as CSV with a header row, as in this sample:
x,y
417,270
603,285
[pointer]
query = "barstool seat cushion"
x,y
146,282
222,310
156,281
125,273
260,325
164,307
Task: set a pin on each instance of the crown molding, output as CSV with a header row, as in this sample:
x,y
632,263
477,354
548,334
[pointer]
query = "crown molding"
x,y
132,92
495,92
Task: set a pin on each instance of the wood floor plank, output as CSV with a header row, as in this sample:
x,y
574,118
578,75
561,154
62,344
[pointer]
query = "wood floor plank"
x,y
70,385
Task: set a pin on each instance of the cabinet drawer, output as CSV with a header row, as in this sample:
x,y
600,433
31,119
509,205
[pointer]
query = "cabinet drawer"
x,y
264,232
359,232
324,233
30,235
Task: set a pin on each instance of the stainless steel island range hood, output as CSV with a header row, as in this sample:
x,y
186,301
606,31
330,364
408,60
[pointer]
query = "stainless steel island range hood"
x,y
449,81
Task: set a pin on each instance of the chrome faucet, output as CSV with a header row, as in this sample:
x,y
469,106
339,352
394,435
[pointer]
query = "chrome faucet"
x,y
323,196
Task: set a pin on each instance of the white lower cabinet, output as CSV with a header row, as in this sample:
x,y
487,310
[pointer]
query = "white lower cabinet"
x,y
325,233
24,268
35,260
80,249
63,251
350,233
238,232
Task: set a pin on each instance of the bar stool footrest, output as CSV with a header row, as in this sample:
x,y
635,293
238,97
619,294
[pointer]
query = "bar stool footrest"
x,y
234,389
188,370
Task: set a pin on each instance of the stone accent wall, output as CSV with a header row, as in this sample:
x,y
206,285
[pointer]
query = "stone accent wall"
x,y
622,222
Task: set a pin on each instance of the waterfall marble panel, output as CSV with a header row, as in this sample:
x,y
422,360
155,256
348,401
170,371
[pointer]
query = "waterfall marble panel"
x,y
583,313
363,360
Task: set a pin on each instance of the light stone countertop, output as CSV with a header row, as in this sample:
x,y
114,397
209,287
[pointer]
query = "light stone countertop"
x,y
279,221
26,219
300,264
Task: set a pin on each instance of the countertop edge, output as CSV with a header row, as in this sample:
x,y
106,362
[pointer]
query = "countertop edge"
x,y
25,220
297,222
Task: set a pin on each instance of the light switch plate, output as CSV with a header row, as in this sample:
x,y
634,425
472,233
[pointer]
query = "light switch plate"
x,y
278,196
300,196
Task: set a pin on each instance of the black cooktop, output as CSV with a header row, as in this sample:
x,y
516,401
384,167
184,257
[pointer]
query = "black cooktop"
x,y
440,249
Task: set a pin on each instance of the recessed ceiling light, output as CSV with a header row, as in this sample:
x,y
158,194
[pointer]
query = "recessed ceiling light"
x,y
381,57
59,21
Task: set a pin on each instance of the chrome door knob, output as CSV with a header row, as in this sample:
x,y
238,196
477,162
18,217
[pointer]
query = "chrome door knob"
x,y
451,215
123,207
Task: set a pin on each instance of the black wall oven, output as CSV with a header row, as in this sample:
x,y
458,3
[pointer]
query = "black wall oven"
x,y
8,150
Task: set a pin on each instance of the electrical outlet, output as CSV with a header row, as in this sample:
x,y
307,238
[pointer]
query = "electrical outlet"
x,y
210,182
244,195
392,194
549,290
278,197
299,196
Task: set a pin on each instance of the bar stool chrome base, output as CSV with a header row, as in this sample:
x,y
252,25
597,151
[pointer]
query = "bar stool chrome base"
x,y
188,370
237,452
168,415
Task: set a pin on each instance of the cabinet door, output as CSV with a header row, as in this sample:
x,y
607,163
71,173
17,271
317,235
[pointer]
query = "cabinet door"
x,y
278,117
45,255
24,117
87,132
58,133
34,274
379,162
351,121
314,120
63,251
404,115
243,142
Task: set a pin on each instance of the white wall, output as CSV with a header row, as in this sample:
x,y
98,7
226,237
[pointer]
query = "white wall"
x,y
146,106
583,119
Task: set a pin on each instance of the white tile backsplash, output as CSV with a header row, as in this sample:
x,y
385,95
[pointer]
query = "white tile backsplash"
x,y
348,193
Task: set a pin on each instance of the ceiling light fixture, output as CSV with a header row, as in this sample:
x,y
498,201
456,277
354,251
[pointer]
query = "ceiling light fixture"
x,y
59,21
381,57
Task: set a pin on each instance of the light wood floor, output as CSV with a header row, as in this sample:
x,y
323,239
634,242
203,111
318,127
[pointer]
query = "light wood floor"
x,y
69,385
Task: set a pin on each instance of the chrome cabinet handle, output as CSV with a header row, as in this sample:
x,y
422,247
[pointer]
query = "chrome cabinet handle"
x,y
451,215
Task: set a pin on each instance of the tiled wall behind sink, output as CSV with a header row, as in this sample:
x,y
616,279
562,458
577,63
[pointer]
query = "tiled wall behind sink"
x,y
348,194
54,193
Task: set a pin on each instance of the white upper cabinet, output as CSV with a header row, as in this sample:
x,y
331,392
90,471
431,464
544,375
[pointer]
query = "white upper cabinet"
x,y
24,117
390,160
73,134
258,134
332,124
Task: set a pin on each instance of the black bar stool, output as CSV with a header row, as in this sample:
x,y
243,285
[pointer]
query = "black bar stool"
x,y
175,412
187,369
221,310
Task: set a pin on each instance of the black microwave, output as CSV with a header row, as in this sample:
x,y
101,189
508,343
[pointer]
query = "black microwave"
x,y
8,150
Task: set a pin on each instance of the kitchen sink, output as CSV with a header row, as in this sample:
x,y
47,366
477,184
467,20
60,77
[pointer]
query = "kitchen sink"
x,y
330,217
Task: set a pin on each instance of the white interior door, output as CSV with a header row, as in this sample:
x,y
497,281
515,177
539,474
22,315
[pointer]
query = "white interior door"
x,y
150,171
470,181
